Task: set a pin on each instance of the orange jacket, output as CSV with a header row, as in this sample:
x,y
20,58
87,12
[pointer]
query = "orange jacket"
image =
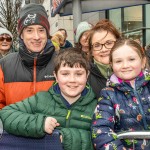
x,y
22,75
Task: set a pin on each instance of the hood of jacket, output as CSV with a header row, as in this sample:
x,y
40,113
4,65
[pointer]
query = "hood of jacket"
x,y
83,100
140,81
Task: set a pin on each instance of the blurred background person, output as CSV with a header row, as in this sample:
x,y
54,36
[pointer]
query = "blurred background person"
x,y
58,40
67,44
6,41
82,36
101,40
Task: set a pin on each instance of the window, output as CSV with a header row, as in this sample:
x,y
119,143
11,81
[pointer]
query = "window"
x,y
133,23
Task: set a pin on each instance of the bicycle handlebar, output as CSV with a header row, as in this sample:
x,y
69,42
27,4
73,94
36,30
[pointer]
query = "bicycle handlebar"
x,y
134,135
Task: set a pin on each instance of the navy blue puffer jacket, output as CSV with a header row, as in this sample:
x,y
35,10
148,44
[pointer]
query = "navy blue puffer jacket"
x,y
122,108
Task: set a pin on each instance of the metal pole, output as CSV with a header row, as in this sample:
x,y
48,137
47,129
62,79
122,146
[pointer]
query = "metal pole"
x,y
77,13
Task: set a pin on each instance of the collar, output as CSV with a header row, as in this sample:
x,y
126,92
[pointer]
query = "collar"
x,y
56,88
104,69
128,81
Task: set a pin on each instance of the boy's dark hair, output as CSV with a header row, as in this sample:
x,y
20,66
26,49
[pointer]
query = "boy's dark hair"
x,y
71,57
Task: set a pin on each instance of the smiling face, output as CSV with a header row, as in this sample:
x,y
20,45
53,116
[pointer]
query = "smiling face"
x,y
102,37
34,37
71,81
126,63
5,43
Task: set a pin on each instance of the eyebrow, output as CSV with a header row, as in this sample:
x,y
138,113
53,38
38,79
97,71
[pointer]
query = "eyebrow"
x,y
106,41
78,70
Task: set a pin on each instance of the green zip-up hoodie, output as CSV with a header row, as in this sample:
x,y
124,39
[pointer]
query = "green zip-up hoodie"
x,y
27,117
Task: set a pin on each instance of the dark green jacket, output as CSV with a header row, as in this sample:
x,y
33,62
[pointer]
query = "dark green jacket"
x,y
27,118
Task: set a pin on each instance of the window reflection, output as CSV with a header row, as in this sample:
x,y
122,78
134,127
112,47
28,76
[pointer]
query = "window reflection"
x,y
133,21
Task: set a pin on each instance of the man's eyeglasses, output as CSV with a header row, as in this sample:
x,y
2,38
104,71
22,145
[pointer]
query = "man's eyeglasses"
x,y
98,46
8,39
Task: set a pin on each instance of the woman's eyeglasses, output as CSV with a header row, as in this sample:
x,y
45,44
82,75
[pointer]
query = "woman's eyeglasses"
x,y
8,39
98,46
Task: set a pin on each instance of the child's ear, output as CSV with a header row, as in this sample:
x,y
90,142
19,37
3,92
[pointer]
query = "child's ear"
x,y
55,75
88,73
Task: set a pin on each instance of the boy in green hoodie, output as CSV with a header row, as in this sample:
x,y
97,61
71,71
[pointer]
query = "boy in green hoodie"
x,y
67,106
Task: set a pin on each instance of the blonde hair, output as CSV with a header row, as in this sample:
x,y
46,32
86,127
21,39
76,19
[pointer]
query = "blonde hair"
x,y
57,39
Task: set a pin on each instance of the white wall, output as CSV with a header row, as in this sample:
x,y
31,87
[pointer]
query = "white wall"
x,y
60,22
66,22
93,17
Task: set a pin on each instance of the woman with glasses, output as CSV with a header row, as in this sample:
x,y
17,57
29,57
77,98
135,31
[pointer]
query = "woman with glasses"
x,y
102,39
5,42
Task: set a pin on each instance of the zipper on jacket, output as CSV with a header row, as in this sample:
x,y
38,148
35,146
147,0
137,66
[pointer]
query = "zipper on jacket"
x,y
141,111
68,118
68,114
34,75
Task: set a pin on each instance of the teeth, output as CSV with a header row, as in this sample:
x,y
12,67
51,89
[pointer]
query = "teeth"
x,y
72,87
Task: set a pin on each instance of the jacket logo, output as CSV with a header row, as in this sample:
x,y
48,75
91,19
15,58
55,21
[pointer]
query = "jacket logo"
x,y
48,76
86,117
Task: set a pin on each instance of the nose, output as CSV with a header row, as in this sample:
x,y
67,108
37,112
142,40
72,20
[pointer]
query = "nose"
x,y
36,35
125,64
72,78
104,49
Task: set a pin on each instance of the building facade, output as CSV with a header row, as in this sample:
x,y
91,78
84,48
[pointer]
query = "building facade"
x,y
132,21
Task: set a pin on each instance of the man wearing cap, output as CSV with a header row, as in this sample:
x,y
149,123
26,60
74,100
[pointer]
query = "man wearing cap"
x,y
24,73
6,38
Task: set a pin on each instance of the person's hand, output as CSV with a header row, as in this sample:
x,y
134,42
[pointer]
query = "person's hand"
x,y
50,124
61,139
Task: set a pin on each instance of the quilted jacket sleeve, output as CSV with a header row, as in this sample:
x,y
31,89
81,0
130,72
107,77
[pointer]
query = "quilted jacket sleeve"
x,y
75,139
103,124
20,118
